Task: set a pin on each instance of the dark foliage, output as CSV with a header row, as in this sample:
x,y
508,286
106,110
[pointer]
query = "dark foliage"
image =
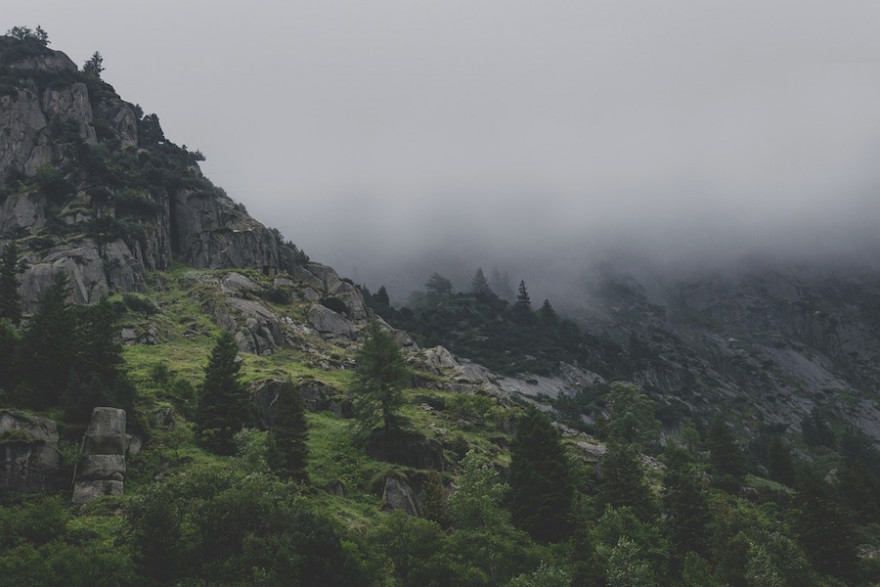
x,y
685,506
46,352
223,407
380,376
727,458
10,297
507,338
541,488
623,482
288,451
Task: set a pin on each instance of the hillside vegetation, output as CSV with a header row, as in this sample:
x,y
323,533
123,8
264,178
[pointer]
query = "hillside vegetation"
x,y
278,432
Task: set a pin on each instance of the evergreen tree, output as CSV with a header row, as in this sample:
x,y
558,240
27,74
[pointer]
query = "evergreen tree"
x,y
288,451
726,457
381,299
823,529
223,404
685,506
548,315
10,297
623,481
94,66
541,488
480,285
521,311
434,499
380,376
779,462
522,296
98,348
438,286
48,345
632,418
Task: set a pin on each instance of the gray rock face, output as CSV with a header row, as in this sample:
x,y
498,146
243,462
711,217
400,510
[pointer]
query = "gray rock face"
x,y
317,397
28,452
328,322
398,495
212,231
100,469
200,227
22,126
21,214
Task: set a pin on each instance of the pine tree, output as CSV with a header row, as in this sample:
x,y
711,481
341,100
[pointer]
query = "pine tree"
x,y
823,528
685,506
522,296
548,315
94,66
434,499
725,455
47,348
480,285
779,461
380,376
223,404
541,489
10,297
288,451
623,481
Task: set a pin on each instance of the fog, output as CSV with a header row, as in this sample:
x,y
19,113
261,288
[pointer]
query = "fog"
x,y
391,139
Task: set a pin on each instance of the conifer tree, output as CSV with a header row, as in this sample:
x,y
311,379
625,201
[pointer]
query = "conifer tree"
x,y
380,376
725,455
223,404
522,296
434,501
480,285
685,506
94,66
541,489
10,298
288,451
623,481
47,348
548,315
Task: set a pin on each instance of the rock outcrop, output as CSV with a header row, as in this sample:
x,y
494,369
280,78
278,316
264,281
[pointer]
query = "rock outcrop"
x,y
100,469
28,452
100,194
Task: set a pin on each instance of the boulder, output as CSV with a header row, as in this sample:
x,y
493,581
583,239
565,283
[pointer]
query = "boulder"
x,y
100,469
398,495
328,322
28,452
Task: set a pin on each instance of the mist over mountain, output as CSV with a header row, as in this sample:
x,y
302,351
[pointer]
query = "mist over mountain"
x,y
513,133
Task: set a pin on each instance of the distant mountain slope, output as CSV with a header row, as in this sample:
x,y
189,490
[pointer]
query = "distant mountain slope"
x,y
769,343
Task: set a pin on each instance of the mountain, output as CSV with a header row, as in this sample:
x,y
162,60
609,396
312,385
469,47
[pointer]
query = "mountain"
x,y
92,186
711,427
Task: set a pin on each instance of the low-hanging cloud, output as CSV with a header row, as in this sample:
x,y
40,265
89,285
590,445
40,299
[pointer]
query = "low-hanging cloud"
x,y
503,130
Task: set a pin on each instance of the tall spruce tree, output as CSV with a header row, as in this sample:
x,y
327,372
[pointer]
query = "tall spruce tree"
x,y
10,297
47,349
223,406
380,376
726,456
541,488
623,481
685,506
288,451
480,285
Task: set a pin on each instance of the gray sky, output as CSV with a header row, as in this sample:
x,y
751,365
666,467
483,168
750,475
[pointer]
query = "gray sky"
x,y
366,130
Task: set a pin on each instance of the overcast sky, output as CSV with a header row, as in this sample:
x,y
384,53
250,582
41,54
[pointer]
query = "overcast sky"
x,y
367,129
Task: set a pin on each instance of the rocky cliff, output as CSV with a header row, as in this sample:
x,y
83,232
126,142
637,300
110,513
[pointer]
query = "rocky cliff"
x,y
90,186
